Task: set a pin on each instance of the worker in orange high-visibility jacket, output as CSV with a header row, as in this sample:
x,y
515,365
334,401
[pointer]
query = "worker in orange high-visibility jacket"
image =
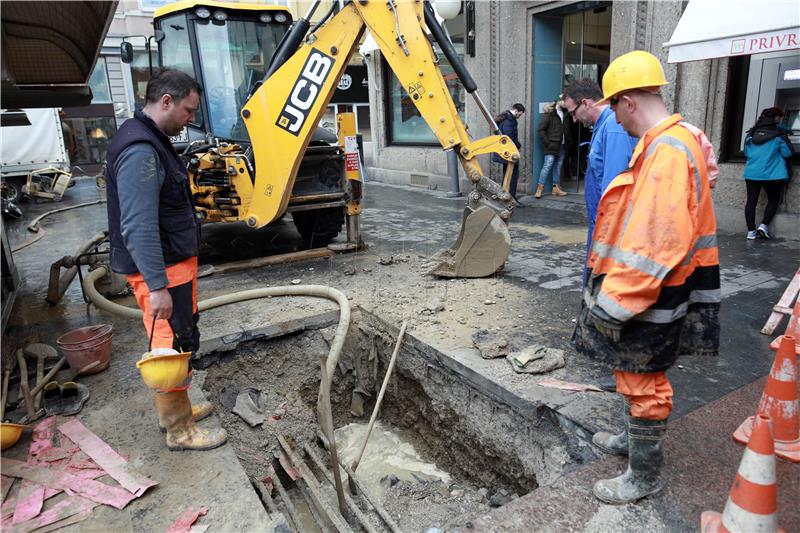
x,y
653,292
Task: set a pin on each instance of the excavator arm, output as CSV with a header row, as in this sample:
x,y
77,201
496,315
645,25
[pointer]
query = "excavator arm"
x,y
283,112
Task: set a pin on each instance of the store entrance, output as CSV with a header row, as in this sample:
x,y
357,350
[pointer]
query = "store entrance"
x,y
570,43
586,44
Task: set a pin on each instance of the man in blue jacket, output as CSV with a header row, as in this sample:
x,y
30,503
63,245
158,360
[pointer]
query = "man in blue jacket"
x,y
507,122
609,153
611,146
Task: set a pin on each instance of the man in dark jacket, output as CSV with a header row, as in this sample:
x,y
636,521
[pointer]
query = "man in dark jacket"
x,y
552,132
155,239
507,122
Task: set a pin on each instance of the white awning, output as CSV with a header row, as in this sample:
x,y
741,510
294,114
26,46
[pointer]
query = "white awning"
x,y
715,28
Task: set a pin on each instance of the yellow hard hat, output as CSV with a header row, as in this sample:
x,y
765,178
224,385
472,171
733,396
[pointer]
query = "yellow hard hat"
x,y
634,70
164,371
10,434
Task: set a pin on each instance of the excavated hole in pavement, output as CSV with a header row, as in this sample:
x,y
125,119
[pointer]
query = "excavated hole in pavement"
x,y
491,451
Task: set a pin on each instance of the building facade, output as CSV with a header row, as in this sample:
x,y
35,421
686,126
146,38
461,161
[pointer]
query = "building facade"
x,y
527,51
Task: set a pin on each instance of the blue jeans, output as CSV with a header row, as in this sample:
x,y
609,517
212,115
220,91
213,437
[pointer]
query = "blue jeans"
x,y
552,163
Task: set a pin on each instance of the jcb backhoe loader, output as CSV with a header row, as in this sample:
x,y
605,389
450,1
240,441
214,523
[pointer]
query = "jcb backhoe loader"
x,y
257,153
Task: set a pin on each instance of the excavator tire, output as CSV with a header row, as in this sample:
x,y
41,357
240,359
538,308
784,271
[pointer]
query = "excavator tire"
x,y
320,226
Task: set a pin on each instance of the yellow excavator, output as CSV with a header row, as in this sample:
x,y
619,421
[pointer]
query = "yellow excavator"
x,y
256,152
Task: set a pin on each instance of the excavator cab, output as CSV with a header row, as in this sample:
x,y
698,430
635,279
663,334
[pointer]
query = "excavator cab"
x,y
256,151
228,48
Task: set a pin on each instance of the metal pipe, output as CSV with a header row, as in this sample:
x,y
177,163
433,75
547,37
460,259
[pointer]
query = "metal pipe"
x,y
359,514
287,502
485,112
313,485
452,169
59,283
385,516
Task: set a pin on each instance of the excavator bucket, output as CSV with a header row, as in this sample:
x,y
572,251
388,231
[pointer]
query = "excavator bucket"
x,y
482,247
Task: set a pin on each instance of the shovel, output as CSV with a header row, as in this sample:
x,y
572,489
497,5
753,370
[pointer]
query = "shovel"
x,y
40,352
9,364
351,484
24,385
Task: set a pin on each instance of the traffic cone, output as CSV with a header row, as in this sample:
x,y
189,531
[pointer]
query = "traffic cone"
x,y
793,328
779,402
753,501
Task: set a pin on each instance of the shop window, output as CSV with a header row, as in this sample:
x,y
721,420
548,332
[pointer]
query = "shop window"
x,y
362,122
91,136
98,81
406,125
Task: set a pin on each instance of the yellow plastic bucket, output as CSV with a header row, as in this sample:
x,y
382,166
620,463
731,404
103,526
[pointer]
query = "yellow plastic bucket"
x,y
164,368
10,434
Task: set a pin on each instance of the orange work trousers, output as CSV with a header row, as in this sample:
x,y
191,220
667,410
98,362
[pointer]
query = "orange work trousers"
x,y
180,331
650,394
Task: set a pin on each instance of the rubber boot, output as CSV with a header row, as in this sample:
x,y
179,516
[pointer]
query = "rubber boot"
x,y
539,190
615,444
199,412
175,412
557,191
645,456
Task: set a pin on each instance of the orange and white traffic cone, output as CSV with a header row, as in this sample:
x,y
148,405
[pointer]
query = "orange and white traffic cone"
x,y
753,501
793,328
779,402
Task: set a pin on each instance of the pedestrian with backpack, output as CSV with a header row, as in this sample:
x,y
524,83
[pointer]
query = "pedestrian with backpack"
x,y
767,148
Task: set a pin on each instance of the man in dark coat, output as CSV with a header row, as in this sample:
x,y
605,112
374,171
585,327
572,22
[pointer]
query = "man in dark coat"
x,y
507,122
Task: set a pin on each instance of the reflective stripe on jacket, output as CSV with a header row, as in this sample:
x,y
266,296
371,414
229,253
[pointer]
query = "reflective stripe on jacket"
x,y
654,256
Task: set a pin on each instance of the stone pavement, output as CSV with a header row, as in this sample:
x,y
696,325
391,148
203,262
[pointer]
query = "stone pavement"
x,y
700,467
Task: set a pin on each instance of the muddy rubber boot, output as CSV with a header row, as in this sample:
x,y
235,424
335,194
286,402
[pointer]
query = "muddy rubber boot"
x,y
557,191
539,191
175,413
199,412
645,456
615,444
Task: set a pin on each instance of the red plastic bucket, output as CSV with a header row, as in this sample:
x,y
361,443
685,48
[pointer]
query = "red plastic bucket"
x,y
86,345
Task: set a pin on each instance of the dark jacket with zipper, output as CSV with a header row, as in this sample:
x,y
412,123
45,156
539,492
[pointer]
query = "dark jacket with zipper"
x,y
507,126
551,131
175,223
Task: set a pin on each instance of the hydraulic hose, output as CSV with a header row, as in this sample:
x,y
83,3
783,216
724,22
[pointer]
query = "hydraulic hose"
x,y
319,291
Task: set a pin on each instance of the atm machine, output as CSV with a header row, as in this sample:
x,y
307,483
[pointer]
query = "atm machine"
x,y
774,81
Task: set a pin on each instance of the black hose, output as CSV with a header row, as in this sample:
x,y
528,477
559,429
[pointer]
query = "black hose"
x,y
331,11
449,52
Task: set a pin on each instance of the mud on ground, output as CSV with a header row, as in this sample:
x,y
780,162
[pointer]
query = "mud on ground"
x,y
287,370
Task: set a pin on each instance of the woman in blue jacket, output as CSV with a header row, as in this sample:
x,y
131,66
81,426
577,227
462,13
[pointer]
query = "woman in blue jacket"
x,y
766,147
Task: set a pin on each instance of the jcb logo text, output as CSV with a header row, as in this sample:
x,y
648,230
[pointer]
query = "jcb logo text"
x,y
305,92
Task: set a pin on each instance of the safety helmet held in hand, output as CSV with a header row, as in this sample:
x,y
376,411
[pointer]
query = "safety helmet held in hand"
x,y
634,70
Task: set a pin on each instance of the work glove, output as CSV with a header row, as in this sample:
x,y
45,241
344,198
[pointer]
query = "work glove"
x,y
607,326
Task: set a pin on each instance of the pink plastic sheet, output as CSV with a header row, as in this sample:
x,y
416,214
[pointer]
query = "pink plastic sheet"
x,y
31,496
184,522
63,509
59,479
6,483
105,456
